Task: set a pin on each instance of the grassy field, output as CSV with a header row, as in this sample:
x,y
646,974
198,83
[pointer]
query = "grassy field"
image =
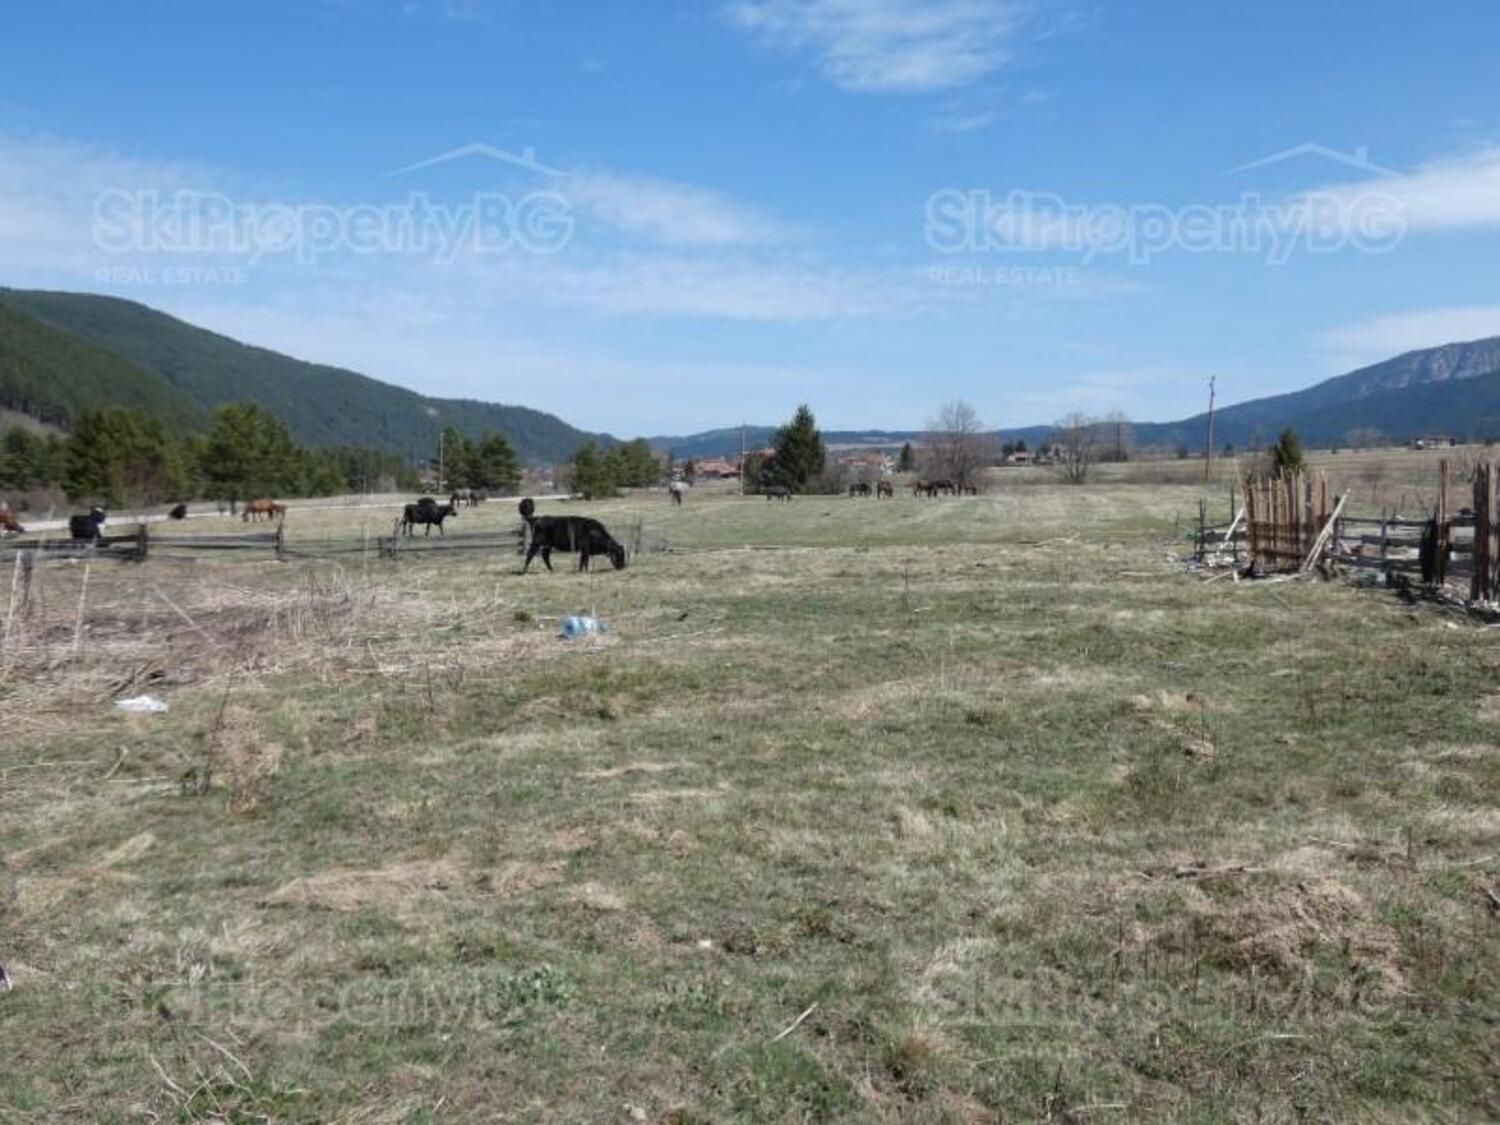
x,y
1018,820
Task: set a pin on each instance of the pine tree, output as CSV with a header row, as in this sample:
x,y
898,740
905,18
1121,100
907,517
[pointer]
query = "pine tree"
x,y
454,460
120,455
27,460
1286,454
493,465
248,453
592,474
800,455
907,461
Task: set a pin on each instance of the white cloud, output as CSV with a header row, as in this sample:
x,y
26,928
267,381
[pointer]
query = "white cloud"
x,y
1444,194
443,352
711,288
48,187
1356,345
897,45
673,213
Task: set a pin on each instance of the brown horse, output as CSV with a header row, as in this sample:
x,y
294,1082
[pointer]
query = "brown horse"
x,y
884,490
268,508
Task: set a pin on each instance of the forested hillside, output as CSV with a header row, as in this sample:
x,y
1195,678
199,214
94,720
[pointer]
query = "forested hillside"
x,y
90,350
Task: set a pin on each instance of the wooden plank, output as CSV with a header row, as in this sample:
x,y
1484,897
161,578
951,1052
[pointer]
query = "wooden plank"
x,y
1327,530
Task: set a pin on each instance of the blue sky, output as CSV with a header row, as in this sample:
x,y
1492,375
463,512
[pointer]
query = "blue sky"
x,y
735,207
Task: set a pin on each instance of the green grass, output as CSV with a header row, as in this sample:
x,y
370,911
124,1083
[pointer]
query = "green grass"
x,y
1042,827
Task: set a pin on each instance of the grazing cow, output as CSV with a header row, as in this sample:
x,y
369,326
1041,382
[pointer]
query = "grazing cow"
x,y
945,486
9,524
586,536
859,488
968,488
87,528
473,496
675,491
427,511
778,492
266,507
178,513
884,490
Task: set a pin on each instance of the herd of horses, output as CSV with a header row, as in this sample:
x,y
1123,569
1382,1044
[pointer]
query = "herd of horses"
x,y
884,490
943,487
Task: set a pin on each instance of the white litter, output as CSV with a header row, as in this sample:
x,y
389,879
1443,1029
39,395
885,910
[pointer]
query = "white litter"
x,y
142,705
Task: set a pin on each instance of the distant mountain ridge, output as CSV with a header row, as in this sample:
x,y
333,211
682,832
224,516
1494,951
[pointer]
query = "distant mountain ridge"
x,y
66,352
1381,396
1449,390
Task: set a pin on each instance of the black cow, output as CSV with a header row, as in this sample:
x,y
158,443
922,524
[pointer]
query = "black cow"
x,y
426,511
586,536
88,528
778,492
178,513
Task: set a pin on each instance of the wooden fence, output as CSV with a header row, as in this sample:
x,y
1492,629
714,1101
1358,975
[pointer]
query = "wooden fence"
x,y
1291,524
139,544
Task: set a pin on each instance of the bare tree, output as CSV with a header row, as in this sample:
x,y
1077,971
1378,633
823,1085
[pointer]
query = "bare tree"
x,y
1076,446
958,447
1116,437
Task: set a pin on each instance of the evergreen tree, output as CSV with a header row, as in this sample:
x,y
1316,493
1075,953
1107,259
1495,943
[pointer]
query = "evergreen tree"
x,y
800,455
493,466
27,460
907,461
121,455
248,453
453,459
1286,454
634,465
689,471
591,473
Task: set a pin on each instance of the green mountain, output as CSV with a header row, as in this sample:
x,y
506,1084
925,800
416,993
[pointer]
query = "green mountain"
x,y
64,352
51,376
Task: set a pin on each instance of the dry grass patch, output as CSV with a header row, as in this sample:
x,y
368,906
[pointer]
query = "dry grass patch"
x,y
1285,927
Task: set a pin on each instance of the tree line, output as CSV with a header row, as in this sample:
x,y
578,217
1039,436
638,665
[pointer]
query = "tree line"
x,y
486,465
595,473
123,456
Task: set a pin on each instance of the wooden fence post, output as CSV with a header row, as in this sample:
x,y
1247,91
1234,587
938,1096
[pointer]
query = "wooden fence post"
x,y
1491,531
1486,547
1441,562
142,543
1478,587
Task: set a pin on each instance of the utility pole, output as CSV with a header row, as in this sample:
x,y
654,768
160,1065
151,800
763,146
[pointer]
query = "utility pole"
x,y
1208,449
742,458
444,433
